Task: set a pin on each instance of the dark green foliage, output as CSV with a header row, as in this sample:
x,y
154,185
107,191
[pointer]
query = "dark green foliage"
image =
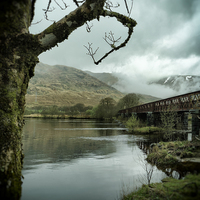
x,y
169,120
128,101
106,108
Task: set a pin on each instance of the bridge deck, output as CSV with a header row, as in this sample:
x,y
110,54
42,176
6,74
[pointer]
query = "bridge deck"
x,y
183,102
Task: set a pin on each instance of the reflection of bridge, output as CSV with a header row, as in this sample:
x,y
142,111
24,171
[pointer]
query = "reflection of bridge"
x,y
183,104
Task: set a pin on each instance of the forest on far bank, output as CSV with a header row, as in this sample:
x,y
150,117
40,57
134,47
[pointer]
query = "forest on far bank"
x,y
107,108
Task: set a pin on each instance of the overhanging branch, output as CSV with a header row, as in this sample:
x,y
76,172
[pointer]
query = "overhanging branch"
x,y
89,10
127,22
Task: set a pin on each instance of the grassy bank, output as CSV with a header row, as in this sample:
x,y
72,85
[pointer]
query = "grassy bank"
x,y
185,189
167,153
147,130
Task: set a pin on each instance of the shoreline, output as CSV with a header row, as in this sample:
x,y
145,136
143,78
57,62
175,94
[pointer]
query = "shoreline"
x,y
56,116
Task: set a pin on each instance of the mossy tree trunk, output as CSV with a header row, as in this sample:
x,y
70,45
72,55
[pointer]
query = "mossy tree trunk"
x,y
17,61
18,56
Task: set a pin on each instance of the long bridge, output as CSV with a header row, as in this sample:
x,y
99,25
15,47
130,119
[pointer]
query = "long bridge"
x,y
184,104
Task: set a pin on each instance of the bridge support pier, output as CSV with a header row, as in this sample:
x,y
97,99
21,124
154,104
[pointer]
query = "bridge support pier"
x,y
145,117
183,124
157,119
150,119
142,117
195,121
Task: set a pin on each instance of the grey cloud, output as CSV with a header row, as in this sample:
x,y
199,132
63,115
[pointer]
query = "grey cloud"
x,y
194,69
184,8
157,20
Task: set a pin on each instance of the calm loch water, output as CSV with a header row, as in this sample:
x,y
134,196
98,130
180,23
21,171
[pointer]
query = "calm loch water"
x,y
80,159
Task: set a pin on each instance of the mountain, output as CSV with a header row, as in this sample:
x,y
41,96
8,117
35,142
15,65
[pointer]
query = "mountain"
x,y
186,83
115,81
66,86
163,87
107,78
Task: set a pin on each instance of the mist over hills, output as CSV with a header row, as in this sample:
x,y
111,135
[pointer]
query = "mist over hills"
x,y
162,87
187,83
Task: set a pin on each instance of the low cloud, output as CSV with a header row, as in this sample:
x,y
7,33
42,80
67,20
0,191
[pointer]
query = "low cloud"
x,y
165,42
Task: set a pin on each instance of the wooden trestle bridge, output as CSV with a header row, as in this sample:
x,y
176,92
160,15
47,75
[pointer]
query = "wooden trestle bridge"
x,y
183,104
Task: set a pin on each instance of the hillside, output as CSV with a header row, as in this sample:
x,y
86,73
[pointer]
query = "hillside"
x,y
113,80
107,78
66,86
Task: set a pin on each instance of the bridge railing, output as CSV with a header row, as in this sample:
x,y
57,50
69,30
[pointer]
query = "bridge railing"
x,y
183,102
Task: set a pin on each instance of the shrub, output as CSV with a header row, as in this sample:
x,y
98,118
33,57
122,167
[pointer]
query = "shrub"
x,y
133,123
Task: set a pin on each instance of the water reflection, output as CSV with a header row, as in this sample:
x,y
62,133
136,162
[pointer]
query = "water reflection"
x,y
52,144
177,171
79,159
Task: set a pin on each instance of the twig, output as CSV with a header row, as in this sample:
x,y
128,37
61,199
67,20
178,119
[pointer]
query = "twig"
x,y
48,10
65,5
36,22
88,28
109,5
90,51
77,2
110,39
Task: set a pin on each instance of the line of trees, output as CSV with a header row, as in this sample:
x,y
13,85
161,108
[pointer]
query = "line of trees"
x,y
107,108
58,110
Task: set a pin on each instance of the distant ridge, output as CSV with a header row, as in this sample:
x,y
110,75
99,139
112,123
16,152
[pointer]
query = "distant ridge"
x,y
66,86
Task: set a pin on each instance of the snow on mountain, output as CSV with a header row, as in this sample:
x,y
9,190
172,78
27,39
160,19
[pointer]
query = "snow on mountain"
x,y
167,80
180,83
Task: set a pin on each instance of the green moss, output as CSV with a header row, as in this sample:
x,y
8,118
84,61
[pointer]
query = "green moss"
x,y
50,29
167,153
172,188
16,23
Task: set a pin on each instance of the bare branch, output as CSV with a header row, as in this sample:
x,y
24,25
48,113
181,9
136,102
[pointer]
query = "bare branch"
x,y
110,39
126,21
65,5
131,8
59,31
77,2
109,5
88,28
90,51
126,6
36,22
48,10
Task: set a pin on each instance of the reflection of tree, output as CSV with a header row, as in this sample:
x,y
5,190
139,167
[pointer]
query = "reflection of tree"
x,y
148,168
177,171
59,143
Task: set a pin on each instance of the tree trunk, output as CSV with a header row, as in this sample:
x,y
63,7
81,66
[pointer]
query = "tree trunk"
x,y
17,62
16,69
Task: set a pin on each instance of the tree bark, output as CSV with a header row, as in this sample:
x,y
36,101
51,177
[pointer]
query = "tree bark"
x,y
17,62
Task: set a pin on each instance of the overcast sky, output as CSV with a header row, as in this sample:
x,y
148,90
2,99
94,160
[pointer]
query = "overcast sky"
x,y
166,40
